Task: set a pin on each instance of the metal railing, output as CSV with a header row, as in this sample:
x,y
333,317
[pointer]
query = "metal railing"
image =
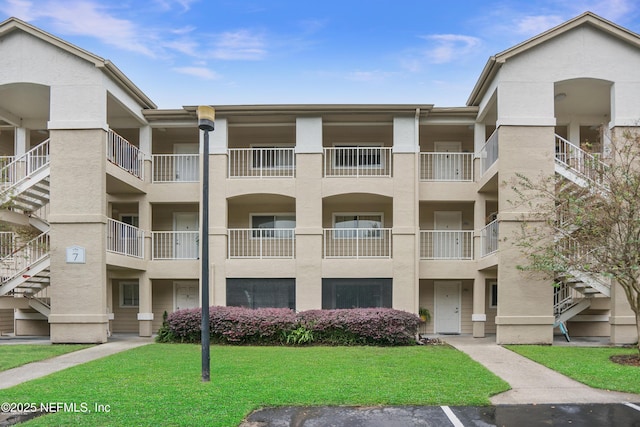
x,y
446,166
357,243
175,244
489,152
176,167
585,164
262,243
124,239
489,239
358,162
125,155
262,162
21,259
446,244
7,244
23,166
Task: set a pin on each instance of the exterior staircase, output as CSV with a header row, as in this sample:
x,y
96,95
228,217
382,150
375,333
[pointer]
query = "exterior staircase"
x,y
575,290
24,192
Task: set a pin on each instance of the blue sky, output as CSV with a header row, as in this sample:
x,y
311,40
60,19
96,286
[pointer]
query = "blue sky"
x,y
191,52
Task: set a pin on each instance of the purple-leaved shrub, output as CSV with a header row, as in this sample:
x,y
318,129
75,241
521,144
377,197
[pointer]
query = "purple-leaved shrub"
x,y
269,326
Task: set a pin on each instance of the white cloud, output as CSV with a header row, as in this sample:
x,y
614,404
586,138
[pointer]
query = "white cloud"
x,y
448,47
239,45
532,25
200,72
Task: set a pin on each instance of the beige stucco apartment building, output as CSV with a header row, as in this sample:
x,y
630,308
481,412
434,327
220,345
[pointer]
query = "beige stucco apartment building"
x,y
311,206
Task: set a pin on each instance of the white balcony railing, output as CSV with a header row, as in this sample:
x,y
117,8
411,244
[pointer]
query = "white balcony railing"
x,y
174,244
262,243
125,155
446,166
21,258
446,244
357,162
7,244
489,152
14,169
489,238
585,164
176,168
262,162
124,239
357,243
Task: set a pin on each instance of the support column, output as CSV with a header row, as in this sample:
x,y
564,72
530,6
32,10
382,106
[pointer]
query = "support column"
x,y
525,302
22,141
479,316
145,312
405,232
218,211
622,319
309,161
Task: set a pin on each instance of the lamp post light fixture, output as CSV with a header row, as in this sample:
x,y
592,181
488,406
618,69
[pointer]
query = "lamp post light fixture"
x,y
206,117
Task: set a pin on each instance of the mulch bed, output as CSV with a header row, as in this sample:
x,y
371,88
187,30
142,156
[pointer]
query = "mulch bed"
x,y
626,359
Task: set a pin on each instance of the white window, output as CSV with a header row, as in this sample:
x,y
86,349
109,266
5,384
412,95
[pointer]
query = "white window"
x,y
129,294
365,225
358,156
273,225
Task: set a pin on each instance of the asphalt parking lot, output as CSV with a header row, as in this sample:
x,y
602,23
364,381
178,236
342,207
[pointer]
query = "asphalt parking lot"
x,y
585,415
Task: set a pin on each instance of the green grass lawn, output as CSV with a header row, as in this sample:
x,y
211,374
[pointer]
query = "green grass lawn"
x,y
159,384
589,365
15,355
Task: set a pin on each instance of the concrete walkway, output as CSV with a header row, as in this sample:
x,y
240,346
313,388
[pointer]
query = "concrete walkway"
x,y
116,344
531,383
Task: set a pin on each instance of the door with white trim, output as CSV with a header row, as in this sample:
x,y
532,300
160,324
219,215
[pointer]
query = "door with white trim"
x,y
448,167
447,306
185,226
186,295
448,243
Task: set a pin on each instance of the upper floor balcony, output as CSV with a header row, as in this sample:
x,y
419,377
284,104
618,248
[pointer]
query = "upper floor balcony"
x,y
449,166
125,239
446,244
176,168
125,155
356,162
357,243
489,239
489,152
262,162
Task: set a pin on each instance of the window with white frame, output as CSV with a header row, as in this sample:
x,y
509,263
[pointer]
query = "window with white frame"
x,y
493,294
278,226
129,294
365,225
358,156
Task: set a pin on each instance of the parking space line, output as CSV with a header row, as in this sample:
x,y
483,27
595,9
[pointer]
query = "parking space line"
x,y
452,417
631,405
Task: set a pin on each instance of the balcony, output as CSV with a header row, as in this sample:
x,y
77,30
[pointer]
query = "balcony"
x,y
168,245
446,244
489,152
125,155
261,243
262,163
446,167
124,239
176,168
357,162
357,243
489,239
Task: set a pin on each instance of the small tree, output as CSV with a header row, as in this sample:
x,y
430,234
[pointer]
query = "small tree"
x,y
590,224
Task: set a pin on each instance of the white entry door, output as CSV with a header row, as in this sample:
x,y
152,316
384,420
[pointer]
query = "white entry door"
x,y
448,167
186,295
448,243
185,226
185,163
447,307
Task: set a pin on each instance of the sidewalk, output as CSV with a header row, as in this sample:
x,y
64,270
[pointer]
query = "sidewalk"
x,y
30,371
531,383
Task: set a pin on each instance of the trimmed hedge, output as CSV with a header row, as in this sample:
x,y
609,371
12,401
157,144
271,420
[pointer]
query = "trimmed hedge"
x,y
269,326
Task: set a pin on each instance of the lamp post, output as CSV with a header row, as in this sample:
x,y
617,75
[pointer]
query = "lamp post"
x,y
206,117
